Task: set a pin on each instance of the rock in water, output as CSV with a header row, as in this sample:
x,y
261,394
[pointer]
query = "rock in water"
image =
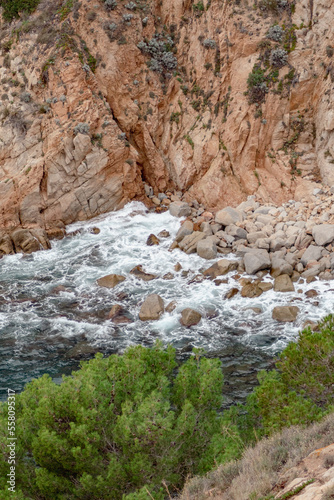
x,y
152,308
111,280
140,273
190,317
24,241
283,283
152,240
285,313
251,290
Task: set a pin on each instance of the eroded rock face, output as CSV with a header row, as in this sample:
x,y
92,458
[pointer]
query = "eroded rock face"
x,y
77,142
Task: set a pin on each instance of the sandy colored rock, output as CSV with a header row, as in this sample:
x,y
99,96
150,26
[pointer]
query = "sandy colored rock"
x,y
251,290
256,261
190,317
152,240
283,283
111,280
223,266
189,243
228,216
285,313
231,293
186,229
179,209
140,273
207,249
152,308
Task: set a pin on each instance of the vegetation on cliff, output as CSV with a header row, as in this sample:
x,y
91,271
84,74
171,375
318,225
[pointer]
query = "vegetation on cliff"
x,y
12,8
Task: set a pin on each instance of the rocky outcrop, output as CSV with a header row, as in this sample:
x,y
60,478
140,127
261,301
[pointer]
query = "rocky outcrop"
x,y
86,126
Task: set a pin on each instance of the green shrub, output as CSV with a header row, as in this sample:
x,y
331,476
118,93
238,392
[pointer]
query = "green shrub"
x,y
300,390
120,427
12,8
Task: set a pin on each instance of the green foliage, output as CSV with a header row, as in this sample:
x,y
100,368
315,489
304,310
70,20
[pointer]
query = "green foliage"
x,y
120,427
256,83
12,8
300,390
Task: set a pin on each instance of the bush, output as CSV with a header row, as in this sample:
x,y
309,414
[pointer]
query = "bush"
x,y
162,59
209,43
257,86
81,128
300,391
12,8
275,33
278,58
120,425
110,4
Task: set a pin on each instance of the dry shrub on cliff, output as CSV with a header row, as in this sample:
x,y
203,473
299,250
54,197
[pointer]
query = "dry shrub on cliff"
x,y
258,471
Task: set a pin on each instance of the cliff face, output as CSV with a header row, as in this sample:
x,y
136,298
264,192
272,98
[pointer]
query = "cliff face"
x,y
88,117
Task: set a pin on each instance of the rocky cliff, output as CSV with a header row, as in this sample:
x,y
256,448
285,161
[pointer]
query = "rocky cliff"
x,y
218,99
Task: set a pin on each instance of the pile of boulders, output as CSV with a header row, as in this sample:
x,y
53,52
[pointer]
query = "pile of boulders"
x,y
296,238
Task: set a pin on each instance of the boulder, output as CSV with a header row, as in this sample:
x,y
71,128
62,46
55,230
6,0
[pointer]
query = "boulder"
x,y
111,280
189,243
171,306
251,290
42,237
265,286
117,315
256,261
312,252
285,313
231,293
237,232
255,235
24,241
190,317
228,216
179,209
207,249
323,233
140,273
186,228
223,266
280,266
6,245
152,308
283,283
206,228
152,240
164,234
